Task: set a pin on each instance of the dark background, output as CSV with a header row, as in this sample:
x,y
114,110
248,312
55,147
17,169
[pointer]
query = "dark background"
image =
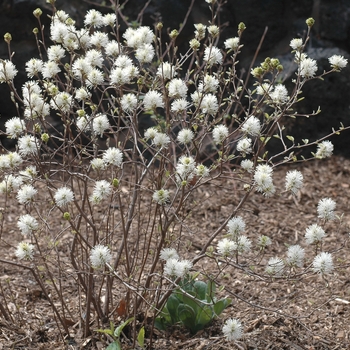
x,y
285,20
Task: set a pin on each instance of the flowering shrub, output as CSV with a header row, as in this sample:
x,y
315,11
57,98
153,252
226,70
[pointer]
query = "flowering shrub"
x,y
98,169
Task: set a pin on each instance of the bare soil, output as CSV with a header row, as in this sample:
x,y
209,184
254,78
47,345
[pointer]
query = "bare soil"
x,y
308,313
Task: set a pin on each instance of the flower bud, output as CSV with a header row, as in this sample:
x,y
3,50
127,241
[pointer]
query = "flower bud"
x,y
310,22
8,37
35,31
173,34
241,28
45,137
194,44
213,31
51,2
159,26
66,216
81,113
115,183
37,12
70,22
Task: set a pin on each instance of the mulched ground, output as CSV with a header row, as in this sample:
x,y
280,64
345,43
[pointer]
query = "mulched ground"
x,y
309,313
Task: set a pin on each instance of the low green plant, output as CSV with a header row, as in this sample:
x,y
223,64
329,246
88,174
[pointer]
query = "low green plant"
x,y
115,333
193,304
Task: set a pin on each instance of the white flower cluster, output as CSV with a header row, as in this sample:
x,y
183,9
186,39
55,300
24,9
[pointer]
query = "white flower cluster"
x,y
187,169
235,242
174,266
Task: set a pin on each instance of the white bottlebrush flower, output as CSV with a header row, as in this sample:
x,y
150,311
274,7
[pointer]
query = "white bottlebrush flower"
x,y
7,71
151,133
325,209
94,18
62,101
252,126
294,181
100,124
275,266
232,44
113,156
202,171
128,103
185,136
81,68
152,100
213,30
200,31
123,61
235,226
323,263
295,256
177,268
55,53
220,133
14,127
34,67
243,244
314,234
244,146
99,256
82,94
247,165
28,144
94,78
25,251
120,76
83,123
138,37
179,105
209,84
11,183
26,194
209,104
226,247
263,180
161,140
14,159
338,62
279,95
264,241
98,164
296,44
166,70
308,68
63,196
29,173
145,53
99,39
161,196
50,69
109,19
102,190
212,55
324,149
185,167
113,49
232,329
263,89
27,224
177,88
168,253
94,58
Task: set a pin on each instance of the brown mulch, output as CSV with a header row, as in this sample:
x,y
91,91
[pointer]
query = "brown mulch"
x,y
310,313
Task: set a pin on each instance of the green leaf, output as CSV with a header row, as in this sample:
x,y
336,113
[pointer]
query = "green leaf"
x,y
114,346
172,307
141,337
187,316
204,317
221,305
210,291
200,289
290,138
120,328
